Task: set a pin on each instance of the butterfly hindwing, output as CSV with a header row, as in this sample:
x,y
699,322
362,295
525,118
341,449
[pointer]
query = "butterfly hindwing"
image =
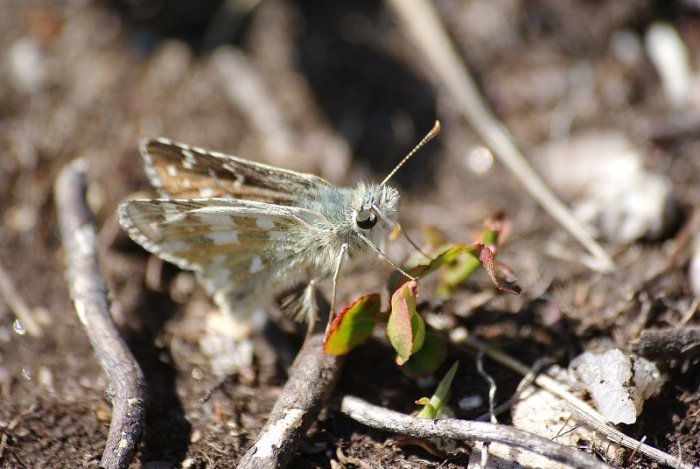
x,y
223,240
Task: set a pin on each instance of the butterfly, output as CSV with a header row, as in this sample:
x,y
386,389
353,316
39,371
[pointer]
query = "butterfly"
x,y
249,230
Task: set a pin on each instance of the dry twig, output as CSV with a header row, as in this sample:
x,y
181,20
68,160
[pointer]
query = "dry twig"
x,y
90,297
576,406
312,379
424,26
492,386
388,420
669,343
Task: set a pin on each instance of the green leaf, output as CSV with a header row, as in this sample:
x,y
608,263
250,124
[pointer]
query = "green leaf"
x,y
434,405
448,255
457,272
462,260
353,326
406,329
428,408
427,359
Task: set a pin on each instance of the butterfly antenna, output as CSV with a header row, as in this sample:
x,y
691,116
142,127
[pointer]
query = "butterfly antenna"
x,y
430,135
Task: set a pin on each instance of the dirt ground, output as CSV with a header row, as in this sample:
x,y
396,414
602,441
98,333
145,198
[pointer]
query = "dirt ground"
x,y
336,89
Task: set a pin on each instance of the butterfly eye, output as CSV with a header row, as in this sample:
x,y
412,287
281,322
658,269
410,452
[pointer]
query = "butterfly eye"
x,y
366,219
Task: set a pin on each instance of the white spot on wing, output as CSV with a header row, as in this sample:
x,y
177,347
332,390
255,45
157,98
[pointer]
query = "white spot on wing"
x,y
240,179
206,192
224,237
153,176
190,161
265,223
172,170
256,265
218,275
213,216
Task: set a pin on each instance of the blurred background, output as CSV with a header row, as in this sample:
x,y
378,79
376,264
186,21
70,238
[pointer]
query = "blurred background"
x,y
602,96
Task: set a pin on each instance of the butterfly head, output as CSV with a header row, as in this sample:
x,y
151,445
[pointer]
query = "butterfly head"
x,y
375,210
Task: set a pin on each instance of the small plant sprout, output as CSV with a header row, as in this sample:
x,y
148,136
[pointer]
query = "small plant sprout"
x,y
434,405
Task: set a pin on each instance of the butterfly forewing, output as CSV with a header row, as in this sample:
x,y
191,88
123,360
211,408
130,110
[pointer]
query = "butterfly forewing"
x,y
184,172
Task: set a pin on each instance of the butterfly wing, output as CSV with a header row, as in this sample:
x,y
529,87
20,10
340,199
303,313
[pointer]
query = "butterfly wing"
x,y
225,241
181,171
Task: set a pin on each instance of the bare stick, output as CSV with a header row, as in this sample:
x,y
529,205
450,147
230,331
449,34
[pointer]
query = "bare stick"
x,y
90,297
311,381
576,406
669,343
388,420
424,26
22,312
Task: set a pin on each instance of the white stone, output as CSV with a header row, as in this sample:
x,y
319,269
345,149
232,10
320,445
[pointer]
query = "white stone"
x,y
619,384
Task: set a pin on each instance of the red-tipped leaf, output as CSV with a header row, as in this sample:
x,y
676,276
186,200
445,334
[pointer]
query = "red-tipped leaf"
x,y
353,326
406,329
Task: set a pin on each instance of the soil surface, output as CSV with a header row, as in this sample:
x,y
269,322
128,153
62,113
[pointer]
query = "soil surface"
x,y
336,89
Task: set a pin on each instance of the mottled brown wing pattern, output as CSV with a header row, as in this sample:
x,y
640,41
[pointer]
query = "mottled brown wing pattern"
x,y
181,171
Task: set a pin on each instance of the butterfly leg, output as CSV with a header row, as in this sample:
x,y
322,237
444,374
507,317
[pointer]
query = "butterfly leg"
x,y
339,263
309,306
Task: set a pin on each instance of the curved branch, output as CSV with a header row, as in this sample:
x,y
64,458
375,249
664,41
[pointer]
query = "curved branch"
x,y
311,381
388,420
90,297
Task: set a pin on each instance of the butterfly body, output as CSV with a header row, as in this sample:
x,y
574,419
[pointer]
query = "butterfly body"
x,y
250,230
